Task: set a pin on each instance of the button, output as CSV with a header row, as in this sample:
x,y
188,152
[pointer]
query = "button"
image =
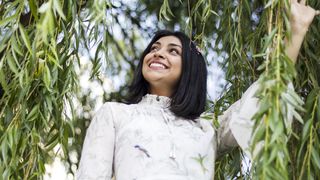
x,y
158,98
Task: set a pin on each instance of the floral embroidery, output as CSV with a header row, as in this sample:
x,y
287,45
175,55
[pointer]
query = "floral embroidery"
x,y
200,159
143,150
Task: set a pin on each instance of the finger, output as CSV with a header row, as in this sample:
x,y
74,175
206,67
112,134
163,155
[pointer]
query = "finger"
x,y
317,12
303,2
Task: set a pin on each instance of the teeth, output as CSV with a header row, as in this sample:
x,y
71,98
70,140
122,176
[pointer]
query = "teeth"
x,y
157,65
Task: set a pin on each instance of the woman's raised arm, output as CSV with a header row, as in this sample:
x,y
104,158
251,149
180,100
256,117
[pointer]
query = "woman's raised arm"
x,y
300,20
235,124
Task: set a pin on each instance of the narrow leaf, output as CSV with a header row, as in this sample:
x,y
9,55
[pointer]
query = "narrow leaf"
x,y
25,38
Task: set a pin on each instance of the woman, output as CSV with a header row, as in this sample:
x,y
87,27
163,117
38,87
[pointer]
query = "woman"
x,y
159,134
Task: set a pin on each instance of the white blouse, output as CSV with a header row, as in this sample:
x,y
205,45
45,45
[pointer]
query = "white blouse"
x,y
146,141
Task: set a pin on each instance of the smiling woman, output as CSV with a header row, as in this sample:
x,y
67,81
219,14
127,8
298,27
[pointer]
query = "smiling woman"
x,y
183,79
162,66
158,133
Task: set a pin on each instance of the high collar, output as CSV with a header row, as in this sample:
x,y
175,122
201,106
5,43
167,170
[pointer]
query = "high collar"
x,y
155,100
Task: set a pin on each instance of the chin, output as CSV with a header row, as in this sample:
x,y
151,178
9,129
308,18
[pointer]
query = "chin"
x,y
153,74
153,77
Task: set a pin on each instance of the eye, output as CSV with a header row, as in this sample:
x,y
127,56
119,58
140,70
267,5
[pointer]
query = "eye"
x,y
174,51
153,48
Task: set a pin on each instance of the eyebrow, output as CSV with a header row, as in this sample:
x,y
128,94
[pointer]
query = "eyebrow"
x,y
170,44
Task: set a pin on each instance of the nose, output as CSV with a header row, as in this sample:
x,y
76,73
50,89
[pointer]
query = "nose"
x,y
159,54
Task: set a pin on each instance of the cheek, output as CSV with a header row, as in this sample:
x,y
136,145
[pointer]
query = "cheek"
x,y
178,66
144,68
145,59
144,71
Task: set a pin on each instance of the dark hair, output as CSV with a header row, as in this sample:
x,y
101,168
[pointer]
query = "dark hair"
x,y
189,99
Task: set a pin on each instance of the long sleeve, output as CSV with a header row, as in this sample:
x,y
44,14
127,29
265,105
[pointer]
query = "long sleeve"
x,y
236,124
98,148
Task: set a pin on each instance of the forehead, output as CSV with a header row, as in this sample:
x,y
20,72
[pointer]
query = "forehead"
x,y
166,40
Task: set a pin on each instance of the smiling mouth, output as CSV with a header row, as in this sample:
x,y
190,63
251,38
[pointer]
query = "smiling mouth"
x,y
157,65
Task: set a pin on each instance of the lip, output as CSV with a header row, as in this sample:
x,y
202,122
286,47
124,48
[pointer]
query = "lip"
x,y
158,62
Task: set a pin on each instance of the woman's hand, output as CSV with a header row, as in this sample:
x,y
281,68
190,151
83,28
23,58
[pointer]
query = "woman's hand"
x,y
301,16
300,20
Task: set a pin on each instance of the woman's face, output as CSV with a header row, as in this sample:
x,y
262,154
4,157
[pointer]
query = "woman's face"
x,y
162,65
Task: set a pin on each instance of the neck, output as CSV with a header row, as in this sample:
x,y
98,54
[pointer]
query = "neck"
x,y
163,91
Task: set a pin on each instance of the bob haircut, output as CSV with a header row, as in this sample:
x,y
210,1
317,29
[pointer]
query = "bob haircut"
x,y
189,98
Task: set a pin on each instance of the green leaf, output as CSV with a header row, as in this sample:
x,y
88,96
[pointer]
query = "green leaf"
x,y
3,81
269,39
4,40
313,95
47,77
12,64
273,154
318,109
21,80
258,135
5,21
34,9
25,38
295,96
45,7
35,136
297,116
52,142
57,7
4,149
164,10
315,157
278,131
33,114
306,129
54,59
46,26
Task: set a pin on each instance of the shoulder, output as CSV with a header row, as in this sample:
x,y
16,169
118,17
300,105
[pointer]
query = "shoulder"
x,y
112,108
117,106
116,112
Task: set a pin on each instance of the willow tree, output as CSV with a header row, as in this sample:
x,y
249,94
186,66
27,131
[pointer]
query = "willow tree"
x,y
253,33
41,46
